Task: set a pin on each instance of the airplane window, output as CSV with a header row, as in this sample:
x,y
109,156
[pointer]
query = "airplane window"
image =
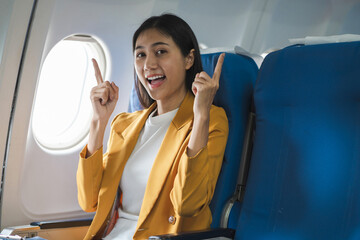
x,y
62,110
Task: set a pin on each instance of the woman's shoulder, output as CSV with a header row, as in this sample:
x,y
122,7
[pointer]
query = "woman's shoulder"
x,y
217,111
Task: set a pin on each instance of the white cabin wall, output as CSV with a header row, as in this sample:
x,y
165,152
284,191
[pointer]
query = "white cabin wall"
x,y
12,211
216,23
351,21
289,19
5,99
5,14
284,19
14,23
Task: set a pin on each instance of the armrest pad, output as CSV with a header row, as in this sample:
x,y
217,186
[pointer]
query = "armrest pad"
x,y
204,234
63,223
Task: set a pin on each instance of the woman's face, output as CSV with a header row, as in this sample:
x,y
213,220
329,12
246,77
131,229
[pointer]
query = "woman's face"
x,y
161,67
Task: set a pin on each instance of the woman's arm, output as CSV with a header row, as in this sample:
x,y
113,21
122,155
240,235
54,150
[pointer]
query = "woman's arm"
x,y
90,169
204,88
200,166
103,99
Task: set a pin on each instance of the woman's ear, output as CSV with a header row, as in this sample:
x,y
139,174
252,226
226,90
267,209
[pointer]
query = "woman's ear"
x,y
189,59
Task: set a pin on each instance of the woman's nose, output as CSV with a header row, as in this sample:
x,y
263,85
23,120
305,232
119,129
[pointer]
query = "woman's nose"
x,y
150,62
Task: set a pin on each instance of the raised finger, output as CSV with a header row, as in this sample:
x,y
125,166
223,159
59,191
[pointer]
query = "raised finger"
x,y
218,67
98,76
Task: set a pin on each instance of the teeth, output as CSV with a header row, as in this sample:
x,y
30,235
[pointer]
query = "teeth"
x,y
155,77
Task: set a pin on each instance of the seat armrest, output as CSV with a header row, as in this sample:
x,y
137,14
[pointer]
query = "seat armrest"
x,y
54,230
63,223
195,235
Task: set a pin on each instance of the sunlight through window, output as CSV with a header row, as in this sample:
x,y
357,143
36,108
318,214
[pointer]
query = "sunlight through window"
x,y
62,110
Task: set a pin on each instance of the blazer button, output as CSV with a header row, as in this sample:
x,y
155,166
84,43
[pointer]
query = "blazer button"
x,y
172,220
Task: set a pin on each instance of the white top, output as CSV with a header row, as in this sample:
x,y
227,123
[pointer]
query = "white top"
x,y
136,173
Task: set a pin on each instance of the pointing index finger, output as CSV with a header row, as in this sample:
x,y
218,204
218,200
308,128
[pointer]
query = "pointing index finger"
x,y
97,72
218,67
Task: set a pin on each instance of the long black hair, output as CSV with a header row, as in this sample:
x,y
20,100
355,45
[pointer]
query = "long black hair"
x,y
181,33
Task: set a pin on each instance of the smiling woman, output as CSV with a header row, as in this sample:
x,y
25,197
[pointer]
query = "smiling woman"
x,y
162,163
61,122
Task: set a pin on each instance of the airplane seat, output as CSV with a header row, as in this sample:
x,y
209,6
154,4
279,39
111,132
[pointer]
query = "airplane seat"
x,y
235,96
304,179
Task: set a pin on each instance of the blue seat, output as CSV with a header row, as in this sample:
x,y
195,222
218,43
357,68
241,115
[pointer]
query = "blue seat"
x,y
304,179
235,96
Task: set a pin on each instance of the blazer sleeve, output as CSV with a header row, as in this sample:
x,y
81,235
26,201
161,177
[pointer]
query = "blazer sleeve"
x,y
196,178
88,178
90,172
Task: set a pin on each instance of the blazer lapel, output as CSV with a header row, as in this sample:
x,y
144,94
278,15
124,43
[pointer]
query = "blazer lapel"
x,y
173,140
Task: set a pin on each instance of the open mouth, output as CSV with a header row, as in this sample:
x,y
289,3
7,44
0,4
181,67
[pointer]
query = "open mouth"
x,y
155,80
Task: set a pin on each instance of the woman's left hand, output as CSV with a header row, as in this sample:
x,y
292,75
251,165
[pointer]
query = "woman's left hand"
x,y
204,88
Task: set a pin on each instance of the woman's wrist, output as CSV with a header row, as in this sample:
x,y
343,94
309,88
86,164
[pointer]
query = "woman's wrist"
x,y
96,136
200,133
98,124
202,117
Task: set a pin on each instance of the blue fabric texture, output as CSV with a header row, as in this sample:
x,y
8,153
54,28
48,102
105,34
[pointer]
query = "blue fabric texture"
x,y
304,179
236,86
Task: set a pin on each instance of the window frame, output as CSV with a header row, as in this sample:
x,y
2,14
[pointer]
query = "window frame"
x,y
97,49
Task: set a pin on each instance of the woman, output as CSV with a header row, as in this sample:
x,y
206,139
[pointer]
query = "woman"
x,y
165,159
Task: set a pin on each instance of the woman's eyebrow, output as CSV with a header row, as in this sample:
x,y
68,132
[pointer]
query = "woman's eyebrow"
x,y
152,45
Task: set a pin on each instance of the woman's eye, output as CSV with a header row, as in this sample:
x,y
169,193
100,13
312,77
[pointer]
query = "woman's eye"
x,y
161,51
139,55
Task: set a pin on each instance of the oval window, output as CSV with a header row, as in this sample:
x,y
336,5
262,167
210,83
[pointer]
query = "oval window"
x,y
62,110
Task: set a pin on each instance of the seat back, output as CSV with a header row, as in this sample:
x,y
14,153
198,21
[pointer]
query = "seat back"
x,y
234,95
304,179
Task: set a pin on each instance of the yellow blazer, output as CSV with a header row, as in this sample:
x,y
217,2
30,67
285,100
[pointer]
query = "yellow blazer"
x,y
179,188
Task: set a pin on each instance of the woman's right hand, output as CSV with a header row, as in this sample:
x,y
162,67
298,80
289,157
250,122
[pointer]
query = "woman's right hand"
x,y
104,97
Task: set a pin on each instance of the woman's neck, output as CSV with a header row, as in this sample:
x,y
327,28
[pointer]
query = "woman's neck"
x,y
167,106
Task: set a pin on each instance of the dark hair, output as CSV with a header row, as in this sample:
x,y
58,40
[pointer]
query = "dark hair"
x,y
181,33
